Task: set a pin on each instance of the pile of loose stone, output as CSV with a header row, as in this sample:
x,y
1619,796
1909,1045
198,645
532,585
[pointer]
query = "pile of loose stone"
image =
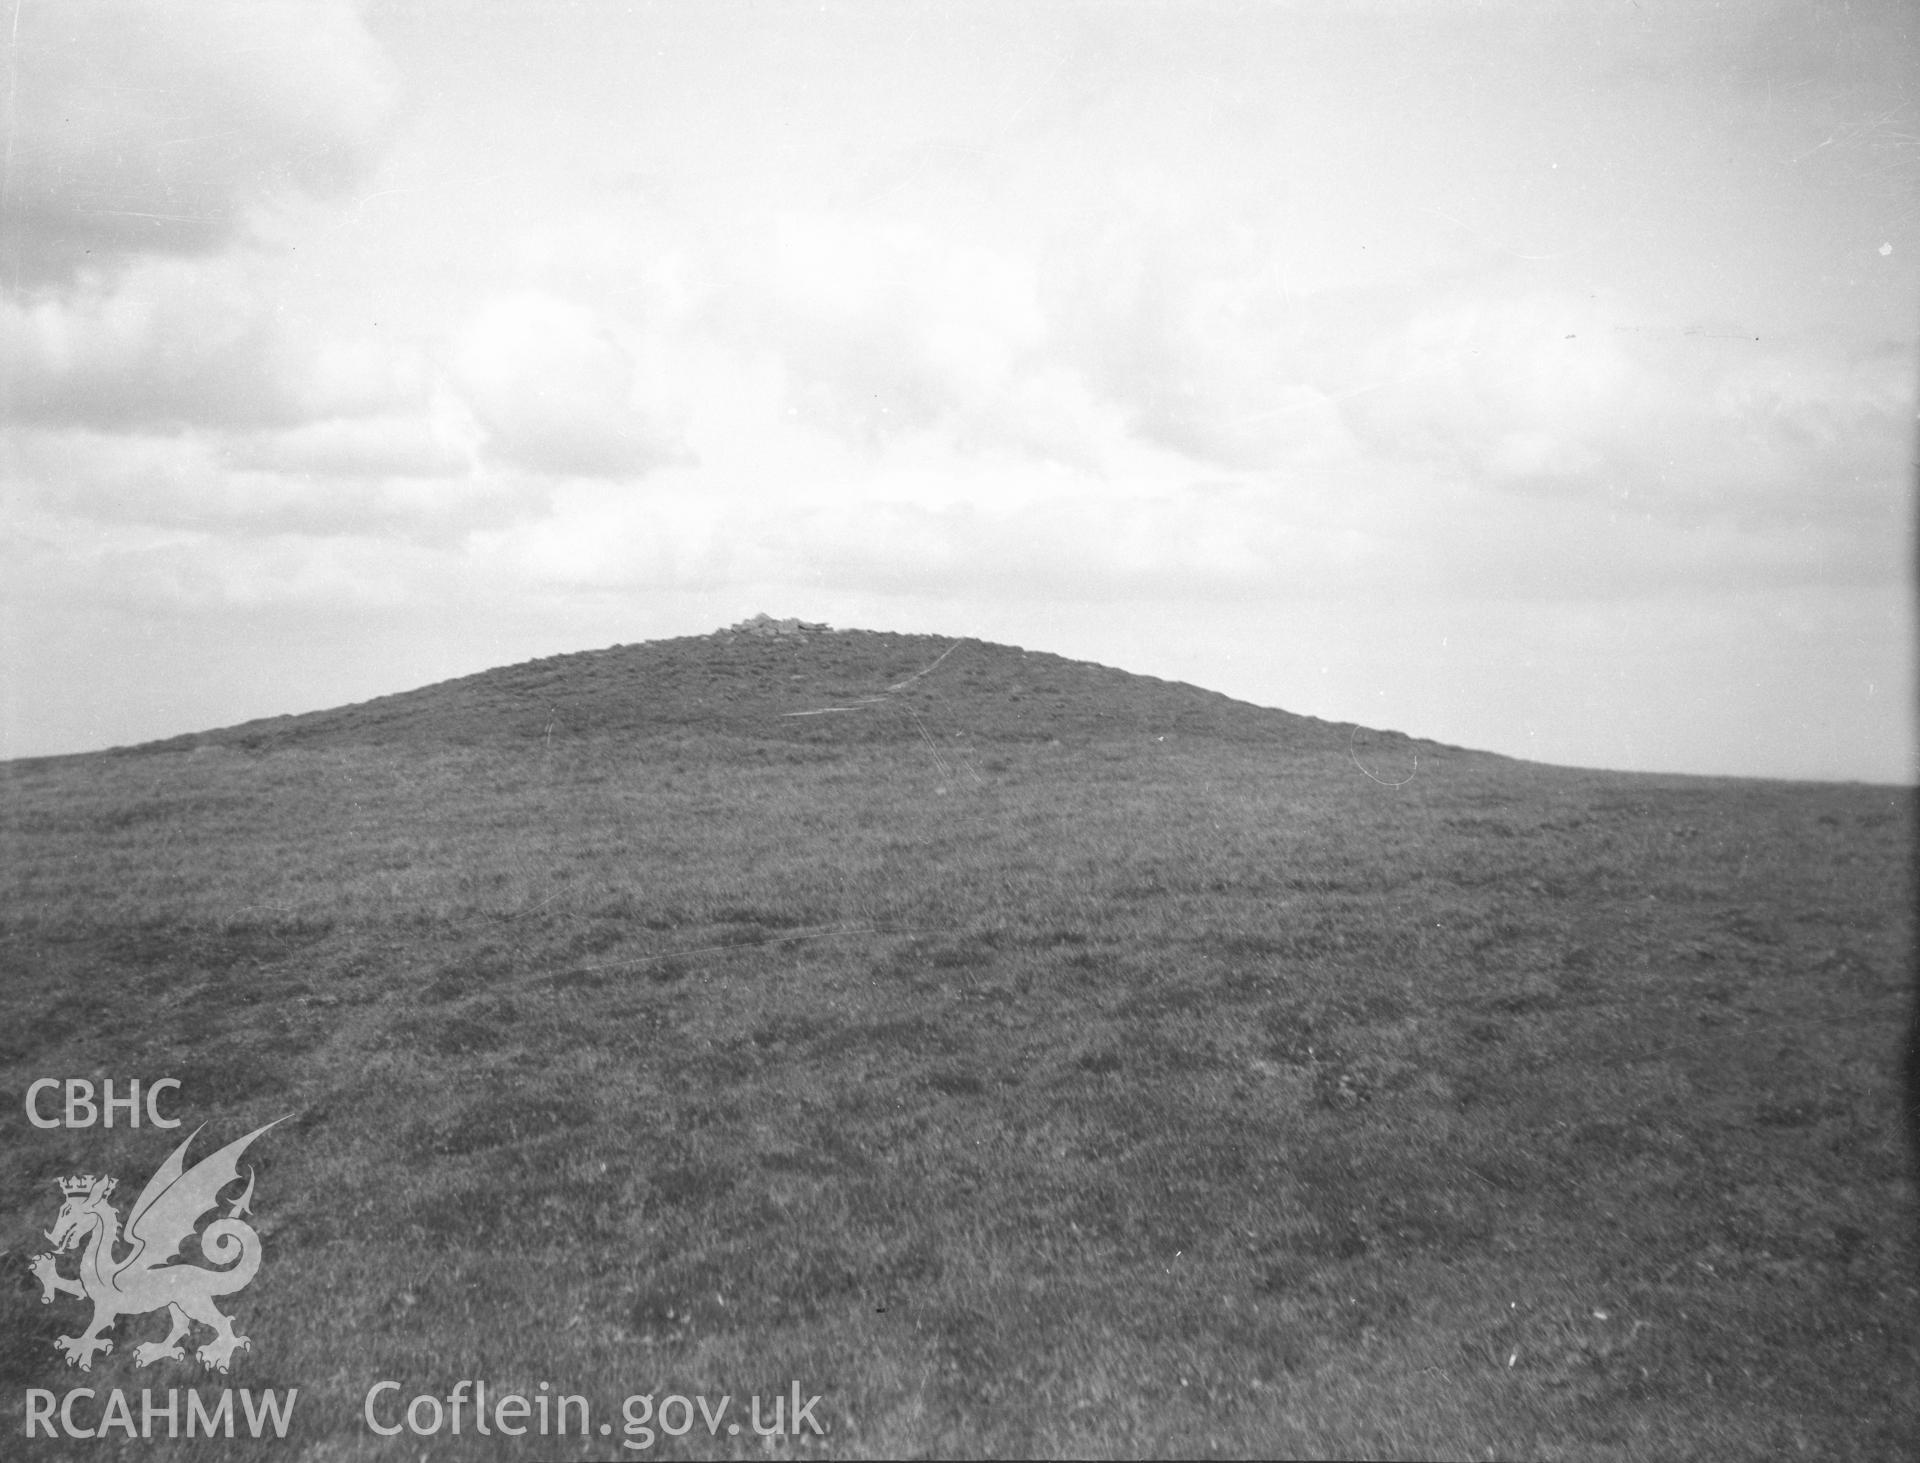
x,y
767,625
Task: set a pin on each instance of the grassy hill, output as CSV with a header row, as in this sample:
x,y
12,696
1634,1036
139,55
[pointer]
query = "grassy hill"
x,y
1024,1056
773,687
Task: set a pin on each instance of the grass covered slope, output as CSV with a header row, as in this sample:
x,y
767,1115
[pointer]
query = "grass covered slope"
x,y
1029,1059
820,688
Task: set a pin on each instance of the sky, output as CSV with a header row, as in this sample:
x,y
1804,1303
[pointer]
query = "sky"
x,y
1531,376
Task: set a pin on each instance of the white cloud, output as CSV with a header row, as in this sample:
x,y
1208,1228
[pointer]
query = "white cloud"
x,y
411,445
558,389
1818,410
366,484
885,327
1499,386
140,129
174,344
1678,452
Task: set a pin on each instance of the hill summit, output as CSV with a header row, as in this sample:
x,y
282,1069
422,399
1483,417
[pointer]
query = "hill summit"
x,y
785,680
765,624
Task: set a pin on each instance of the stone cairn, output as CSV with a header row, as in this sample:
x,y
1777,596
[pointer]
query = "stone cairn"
x,y
766,625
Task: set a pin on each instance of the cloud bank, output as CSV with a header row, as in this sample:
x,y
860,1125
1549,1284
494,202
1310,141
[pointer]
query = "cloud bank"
x,y
1126,312
176,129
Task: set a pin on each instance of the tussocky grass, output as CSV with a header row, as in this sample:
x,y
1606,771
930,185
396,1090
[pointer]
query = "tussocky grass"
x,y
1032,1060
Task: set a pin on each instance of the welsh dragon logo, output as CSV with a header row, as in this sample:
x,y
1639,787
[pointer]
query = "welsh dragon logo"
x,y
161,1220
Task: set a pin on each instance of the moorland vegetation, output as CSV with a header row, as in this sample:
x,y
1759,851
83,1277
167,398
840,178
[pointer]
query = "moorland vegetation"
x,y
1028,1057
